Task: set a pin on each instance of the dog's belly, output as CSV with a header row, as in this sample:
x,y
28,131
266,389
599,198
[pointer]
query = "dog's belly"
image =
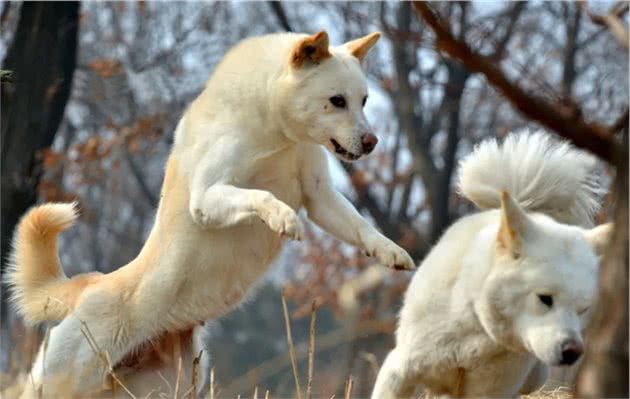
x,y
189,273
207,272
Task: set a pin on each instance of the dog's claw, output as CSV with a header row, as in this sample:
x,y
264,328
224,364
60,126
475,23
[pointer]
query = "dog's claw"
x,y
284,221
392,255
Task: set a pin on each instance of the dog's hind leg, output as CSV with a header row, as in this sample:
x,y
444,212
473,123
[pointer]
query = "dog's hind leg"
x,y
394,380
81,351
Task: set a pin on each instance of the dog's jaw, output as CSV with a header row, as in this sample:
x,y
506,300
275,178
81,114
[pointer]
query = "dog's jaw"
x,y
341,153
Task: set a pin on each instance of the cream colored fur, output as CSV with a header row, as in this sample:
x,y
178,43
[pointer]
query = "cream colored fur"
x,y
249,153
473,307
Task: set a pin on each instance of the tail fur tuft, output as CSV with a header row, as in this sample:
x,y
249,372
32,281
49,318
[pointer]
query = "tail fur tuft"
x,y
541,173
35,275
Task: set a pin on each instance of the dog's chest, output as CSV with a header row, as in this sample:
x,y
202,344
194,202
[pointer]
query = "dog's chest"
x,y
280,175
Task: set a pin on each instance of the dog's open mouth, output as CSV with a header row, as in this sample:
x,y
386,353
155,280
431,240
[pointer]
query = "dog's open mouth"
x,y
343,152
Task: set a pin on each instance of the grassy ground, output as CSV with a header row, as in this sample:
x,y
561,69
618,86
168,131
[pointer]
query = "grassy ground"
x,y
13,383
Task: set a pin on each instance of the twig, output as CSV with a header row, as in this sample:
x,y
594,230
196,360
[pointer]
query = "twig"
x,y
170,388
348,390
611,20
187,392
311,351
195,370
212,383
621,121
278,10
179,374
291,349
102,355
324,342
40,389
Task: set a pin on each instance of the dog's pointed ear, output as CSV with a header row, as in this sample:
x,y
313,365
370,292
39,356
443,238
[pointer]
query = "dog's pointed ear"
x,y
312,49
360,47
513,227
599,237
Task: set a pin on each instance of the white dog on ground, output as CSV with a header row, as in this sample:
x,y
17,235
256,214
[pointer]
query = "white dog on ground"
x,y
504,292
248,154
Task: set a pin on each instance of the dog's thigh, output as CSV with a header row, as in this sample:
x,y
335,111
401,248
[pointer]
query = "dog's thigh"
x,y
82,348
66,364
395,379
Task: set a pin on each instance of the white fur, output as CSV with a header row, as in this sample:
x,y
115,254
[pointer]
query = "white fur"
x,y
473,306
248,154
543,174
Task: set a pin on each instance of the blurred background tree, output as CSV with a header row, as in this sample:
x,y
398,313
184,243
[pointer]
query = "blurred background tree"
x,y
137,67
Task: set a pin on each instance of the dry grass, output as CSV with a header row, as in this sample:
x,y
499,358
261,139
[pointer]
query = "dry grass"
x,y
12,384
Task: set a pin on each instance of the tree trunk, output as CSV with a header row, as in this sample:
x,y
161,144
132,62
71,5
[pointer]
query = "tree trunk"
x,y
42,58
605,370
440,206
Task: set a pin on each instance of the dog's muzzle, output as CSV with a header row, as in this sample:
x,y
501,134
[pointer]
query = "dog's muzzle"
x,y
571,350
368,142
343,152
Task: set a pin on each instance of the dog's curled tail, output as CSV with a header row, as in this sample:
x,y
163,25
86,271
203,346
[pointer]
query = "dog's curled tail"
x,y
541,173
40,290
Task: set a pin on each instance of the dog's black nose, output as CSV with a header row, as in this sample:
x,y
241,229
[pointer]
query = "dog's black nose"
x,y
369,142
571,352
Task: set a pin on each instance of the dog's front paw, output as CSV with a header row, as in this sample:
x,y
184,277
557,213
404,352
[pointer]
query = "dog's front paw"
x,y
391,255
284,221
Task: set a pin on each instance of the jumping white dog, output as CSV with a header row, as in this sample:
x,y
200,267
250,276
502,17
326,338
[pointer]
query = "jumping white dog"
x,y
504,292
248,154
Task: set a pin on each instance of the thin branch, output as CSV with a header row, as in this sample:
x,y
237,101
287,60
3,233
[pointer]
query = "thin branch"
x,y
287,323
567,123
311,351
621,121
281,15
147,194
503,41
611,20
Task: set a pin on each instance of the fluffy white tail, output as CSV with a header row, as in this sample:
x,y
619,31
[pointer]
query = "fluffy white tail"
x,y
543,174
39,288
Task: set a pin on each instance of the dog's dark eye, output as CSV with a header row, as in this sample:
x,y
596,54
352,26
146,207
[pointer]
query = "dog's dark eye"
x,y
546,299
364,101
338,101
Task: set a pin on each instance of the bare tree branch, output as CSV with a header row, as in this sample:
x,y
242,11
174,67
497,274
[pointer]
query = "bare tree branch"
x,y
278,11
148,195
566,122
611,20
503,41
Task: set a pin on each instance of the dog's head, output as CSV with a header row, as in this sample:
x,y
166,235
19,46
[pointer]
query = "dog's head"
x,y
321,94
541,285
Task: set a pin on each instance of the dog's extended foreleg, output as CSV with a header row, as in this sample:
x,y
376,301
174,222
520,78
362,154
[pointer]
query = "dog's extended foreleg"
x,y
334,213
217,203
222,205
